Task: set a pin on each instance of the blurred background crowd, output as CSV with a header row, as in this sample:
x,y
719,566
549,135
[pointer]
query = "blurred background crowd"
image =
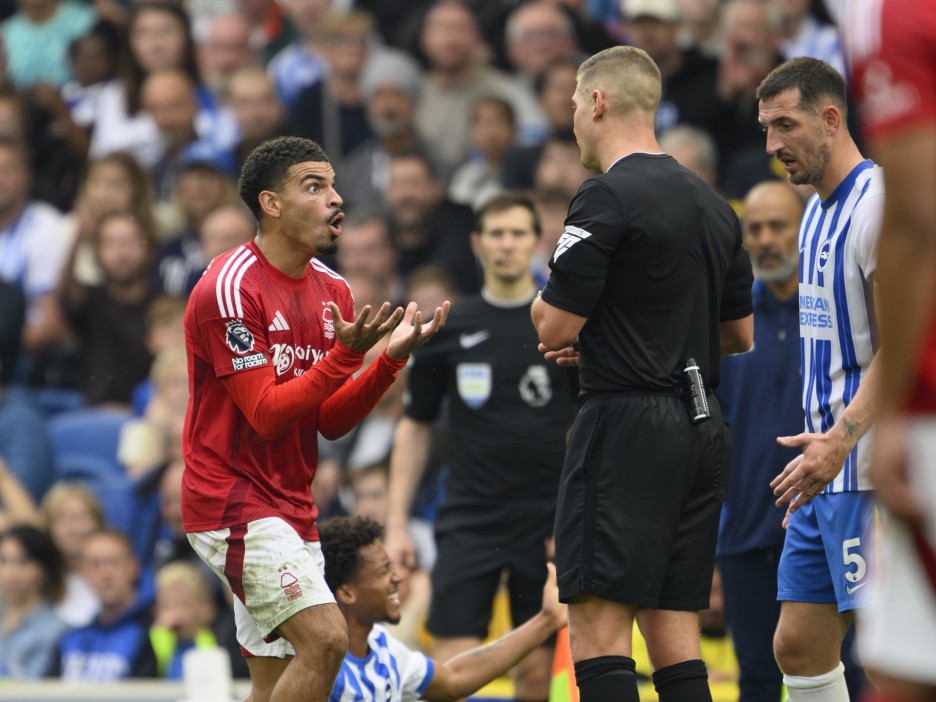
x,y
123,125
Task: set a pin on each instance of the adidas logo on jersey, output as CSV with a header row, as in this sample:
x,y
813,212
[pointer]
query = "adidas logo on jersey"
x,y
570,237
279,322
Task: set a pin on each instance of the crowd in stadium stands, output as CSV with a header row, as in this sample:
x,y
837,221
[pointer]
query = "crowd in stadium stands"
x,y
123,126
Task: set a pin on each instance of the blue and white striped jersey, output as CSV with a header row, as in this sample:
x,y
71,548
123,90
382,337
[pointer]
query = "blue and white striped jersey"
x,y
391,672
838,335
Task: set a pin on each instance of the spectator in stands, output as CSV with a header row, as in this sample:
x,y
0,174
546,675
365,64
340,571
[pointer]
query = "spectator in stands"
x,y
94,59
116,645
367,251
31,249
39,121
32,580
699,26
257,109
689,78
389,88
37,37
300,64
553,88
159,38
558,167
184,611
110,185
202,186
331,111
169,97
425,226
271,32
538,35
225,50
492,133
694,149
70,512
804,35
750,32
109,319
457,78
183,261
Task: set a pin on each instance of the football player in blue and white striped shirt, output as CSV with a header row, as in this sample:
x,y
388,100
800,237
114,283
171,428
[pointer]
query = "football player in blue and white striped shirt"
x,y
378,667
827,552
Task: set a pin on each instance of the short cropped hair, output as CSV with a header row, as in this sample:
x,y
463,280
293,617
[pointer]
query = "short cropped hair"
x,y
267,165
626,75
342,539
816,80
503,202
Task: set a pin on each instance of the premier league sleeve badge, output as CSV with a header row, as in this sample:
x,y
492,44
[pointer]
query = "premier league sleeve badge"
x,y
238,337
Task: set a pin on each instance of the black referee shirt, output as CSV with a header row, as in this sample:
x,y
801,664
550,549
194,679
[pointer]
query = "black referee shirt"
x,y
653,258
509,409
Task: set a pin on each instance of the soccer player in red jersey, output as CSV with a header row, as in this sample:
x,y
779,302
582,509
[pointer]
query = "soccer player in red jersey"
x,y
892,47
272,344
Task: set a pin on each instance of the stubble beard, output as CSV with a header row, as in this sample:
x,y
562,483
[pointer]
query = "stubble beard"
x,y
814,169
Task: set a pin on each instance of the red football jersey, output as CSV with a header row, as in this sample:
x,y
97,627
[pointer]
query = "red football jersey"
x,y
892,48
245,315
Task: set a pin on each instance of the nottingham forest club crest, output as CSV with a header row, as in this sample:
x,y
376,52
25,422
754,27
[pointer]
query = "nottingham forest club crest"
x,y
238,337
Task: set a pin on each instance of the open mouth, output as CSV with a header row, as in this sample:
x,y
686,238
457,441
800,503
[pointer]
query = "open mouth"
x,y
788,163
334,222
394,598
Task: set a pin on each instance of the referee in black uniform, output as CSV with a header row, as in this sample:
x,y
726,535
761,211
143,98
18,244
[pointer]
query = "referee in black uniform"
x,y
648,280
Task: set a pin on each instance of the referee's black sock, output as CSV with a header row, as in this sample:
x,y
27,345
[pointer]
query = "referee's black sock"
x,y
607,679
683,682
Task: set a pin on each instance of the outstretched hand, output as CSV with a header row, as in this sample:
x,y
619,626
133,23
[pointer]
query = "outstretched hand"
x,y
412,333
808,474
361,335
552,607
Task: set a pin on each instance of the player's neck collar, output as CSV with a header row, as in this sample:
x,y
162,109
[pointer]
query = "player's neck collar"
x,y
507,304
634,153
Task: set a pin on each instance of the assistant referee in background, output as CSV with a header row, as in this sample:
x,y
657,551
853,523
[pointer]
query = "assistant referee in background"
x,y
648,274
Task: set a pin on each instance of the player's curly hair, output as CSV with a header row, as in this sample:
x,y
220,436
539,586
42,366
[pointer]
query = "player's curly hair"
x,y
342,539
267,165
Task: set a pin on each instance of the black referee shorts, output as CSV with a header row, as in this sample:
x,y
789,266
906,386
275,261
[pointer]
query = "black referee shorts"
x,y
469,568
639,502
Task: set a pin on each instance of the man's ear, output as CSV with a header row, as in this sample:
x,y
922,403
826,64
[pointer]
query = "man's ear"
x,y
599,104
345,595
270,204
474,243
831,118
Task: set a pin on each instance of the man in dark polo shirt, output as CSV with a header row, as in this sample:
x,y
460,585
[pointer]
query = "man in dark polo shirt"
x,y
650,285
761,399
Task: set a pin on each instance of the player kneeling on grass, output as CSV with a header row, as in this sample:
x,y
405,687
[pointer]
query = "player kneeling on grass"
x,y
364,582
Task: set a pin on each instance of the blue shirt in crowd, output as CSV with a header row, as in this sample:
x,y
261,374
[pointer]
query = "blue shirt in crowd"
x,y
760,396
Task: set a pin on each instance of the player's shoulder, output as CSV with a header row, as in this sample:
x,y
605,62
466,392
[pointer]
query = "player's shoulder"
x,y
329,277
380,639
226,283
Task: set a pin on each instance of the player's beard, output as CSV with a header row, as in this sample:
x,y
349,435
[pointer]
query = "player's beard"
x,y
813,166
785,269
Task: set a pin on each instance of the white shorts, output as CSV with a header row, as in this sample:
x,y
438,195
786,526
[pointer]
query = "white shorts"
x,y
273,573
897,629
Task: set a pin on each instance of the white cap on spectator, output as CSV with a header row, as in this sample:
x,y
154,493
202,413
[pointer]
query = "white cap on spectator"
x,y
393,67
663,10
